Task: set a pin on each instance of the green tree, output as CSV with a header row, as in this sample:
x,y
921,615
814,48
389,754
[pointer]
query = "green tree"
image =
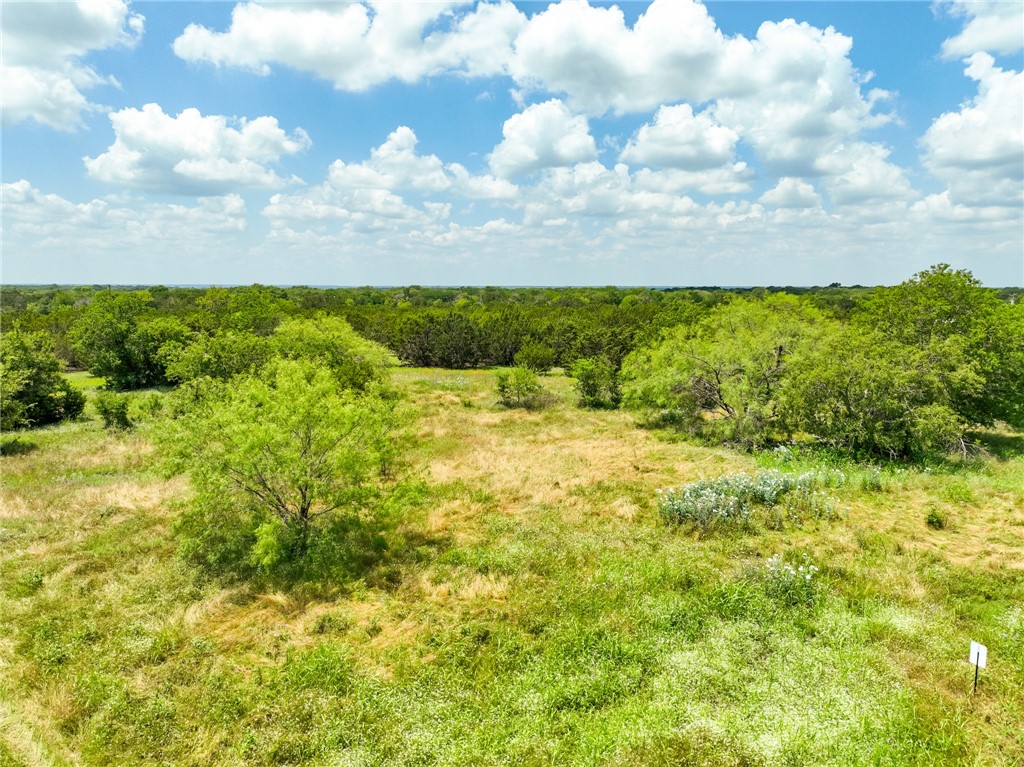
x,y
33,391
974,341
597,382
535,356
270,458
220,356
720,378
866,393
331,342
518,387
118,338
253,309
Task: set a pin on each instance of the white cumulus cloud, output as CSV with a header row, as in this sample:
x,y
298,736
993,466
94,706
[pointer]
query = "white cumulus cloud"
x,y
542,136
193,154
791,193
861,173
680,139
367,196
42,43
359,45
995,26
979,150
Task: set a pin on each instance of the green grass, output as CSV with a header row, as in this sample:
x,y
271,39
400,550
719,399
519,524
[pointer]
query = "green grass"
x,y
531,608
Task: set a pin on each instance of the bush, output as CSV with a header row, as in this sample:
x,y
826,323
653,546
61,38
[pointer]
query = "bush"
x,y
534,356
119,338
597,382
33,390
113,409
731,499
274,461
331,343
519,387
935,519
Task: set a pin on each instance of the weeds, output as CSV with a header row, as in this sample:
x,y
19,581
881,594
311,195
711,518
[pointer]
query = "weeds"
x,y
732,499
791,586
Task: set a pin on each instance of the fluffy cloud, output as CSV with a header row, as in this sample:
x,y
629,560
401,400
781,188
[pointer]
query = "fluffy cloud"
x,y
192,154
727,180
679,139
590,55
364,196
357,46
42,42
861,173
542,136
992,25
47,234
791,193
791,91
798,96
978,150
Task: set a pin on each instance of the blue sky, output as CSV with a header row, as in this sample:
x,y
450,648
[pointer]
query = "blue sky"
x,y
664,143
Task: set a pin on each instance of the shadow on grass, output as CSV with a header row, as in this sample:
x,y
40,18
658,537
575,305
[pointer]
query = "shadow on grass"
x,y
1002,445
16,446
343,552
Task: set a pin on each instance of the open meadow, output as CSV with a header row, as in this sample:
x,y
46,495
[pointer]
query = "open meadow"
x,y
520,600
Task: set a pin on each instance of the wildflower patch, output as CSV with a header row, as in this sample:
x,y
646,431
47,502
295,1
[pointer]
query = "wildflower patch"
x,y
732,499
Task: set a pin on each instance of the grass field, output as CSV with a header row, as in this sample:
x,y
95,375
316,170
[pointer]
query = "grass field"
x,y
522,603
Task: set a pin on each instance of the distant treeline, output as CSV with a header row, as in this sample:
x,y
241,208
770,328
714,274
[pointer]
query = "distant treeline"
x,y
424,326
896,371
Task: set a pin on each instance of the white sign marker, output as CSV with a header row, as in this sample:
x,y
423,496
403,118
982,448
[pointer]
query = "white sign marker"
x,y
979,655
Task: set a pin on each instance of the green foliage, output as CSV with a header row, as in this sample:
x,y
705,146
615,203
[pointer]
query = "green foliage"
x,y
330,342
926,359
519,387
791,586
273,459
119,338
113,409
254,309
220,356
860,391
535,356
32,388
733,498
935,519
973,341
720,380
597,382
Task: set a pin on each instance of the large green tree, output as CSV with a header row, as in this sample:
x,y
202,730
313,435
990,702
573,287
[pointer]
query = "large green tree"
x,y
974,341
721,377
119,337
33,392
861,391
273,457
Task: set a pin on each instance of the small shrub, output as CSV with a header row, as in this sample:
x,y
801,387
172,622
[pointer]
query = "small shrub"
x,y
519,387
732,498
113,409
534,356
871,481
791,586
958,492
148,407
597,382
935,519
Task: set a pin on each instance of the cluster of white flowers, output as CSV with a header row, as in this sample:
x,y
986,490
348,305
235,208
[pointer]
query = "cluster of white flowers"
x,y
731,498
791,585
